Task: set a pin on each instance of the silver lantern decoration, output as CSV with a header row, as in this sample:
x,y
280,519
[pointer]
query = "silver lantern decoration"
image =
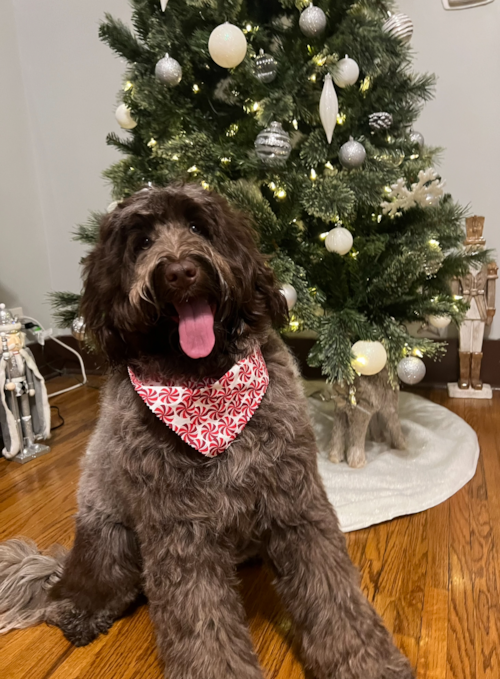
x,y
168,71
400,26
312,22
411,370
380,121
266,68
78,328
273,145
352,154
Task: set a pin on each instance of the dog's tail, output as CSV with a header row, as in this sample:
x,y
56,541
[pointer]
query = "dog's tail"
x,y
26,576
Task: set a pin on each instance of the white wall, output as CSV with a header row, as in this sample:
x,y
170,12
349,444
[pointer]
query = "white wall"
x,y
59,86
463,49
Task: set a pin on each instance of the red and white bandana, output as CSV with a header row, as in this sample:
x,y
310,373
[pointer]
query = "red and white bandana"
x,y
209,414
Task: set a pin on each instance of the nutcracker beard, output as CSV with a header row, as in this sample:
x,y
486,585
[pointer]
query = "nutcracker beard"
x,y
177,294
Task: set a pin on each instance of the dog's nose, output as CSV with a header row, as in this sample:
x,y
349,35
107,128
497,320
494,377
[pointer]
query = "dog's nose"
x,y
181,274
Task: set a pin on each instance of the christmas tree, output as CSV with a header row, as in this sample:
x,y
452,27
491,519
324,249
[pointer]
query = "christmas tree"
x,y
302,116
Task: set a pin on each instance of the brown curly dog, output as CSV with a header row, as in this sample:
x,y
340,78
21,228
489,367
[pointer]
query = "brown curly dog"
x,y
176,290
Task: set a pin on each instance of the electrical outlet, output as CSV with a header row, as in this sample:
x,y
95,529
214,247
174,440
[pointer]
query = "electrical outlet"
x,y
17,311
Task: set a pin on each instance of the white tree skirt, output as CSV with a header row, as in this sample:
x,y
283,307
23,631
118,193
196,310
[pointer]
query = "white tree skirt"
x,y
441,457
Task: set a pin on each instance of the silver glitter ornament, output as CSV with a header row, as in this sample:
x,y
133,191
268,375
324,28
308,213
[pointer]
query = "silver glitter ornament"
x,y
352,154
380,121
312,22
265,68
168,71
78,328
400,26
273,145
417,138
411,370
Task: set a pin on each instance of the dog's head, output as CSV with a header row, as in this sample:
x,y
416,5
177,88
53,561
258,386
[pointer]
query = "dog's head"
x,y
176,272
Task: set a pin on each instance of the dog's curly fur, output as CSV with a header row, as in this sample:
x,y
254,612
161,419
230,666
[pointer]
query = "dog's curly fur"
x,y
157,516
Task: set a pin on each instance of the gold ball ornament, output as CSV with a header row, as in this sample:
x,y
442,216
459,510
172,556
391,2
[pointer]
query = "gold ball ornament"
x,y
124,117
370,358
339,240
227,45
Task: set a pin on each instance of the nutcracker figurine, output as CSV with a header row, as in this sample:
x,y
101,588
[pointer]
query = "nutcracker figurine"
x,y
24,405
478,289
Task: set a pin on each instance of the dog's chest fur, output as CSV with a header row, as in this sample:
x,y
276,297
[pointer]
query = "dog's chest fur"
x,y
226,493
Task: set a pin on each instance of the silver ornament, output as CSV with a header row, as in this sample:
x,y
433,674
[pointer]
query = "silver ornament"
x,y
417,138
411,370
312,21
168,71
78,328
273,145
380,121
266,68
352,154
400,26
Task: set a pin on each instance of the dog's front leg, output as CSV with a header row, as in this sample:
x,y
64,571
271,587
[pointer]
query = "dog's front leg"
x,y
101,578
341,635
190,582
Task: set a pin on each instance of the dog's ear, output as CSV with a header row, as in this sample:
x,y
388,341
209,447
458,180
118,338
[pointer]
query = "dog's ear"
x,y
261,304
268,298
102,301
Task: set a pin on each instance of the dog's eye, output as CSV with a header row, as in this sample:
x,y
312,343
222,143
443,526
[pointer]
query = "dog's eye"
x,y
195,229
145,243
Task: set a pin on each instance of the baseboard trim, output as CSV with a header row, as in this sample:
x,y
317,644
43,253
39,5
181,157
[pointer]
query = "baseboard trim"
x,y
53,360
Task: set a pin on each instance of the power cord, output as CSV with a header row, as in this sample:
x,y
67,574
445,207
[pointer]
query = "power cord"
x,y
58,426
80,359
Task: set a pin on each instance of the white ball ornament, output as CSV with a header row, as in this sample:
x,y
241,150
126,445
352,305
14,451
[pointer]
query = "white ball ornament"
x,y
290,294
124,117
339,240
370,358
312,21
439,322
346,72
411,370
227,45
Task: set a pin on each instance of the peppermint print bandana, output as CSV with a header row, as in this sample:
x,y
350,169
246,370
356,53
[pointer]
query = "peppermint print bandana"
x,y
209,414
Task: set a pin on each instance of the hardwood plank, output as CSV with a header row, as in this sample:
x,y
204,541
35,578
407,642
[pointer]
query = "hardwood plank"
x,y
461,662
434,576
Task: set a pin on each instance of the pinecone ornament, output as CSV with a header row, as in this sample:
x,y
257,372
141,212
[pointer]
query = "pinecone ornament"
x,y
380,121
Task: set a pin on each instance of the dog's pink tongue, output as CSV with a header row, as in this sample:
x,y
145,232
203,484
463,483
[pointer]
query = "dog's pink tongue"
x,y
196,328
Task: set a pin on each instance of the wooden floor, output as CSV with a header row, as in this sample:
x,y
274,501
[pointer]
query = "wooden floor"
x,y
433,577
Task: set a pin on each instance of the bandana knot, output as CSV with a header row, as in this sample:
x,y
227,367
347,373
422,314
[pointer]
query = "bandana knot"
x,y
209,414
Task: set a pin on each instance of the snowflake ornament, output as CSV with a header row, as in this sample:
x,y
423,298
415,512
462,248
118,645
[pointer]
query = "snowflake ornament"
x,y
427,192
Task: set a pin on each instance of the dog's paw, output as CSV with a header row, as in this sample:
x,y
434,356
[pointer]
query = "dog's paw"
x,y
81,628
